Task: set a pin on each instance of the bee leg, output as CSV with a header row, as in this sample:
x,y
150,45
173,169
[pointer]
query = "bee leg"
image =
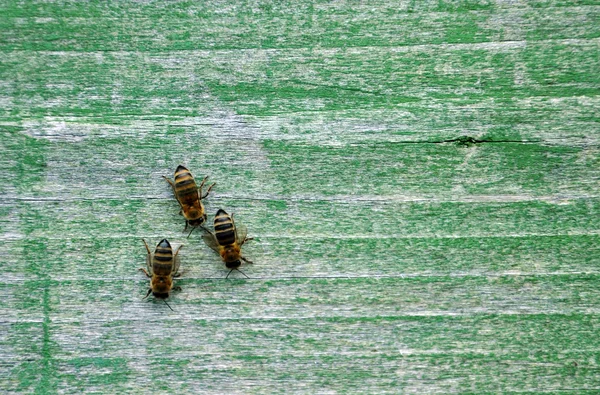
x,y
203,181
145,272
177,251
148,294
147,248
208,190
180,211
148,258
179,274
229,274
169,181
247,239
246,260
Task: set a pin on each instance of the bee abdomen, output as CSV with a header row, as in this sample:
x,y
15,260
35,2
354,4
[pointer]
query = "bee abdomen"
x,y
163,252
184,182
224,228
164,248
162,269
163,258
225,238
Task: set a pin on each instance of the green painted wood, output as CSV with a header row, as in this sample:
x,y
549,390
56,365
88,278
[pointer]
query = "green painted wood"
x,y
421,179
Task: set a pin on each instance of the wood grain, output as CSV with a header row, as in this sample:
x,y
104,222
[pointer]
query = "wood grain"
x,y
421,180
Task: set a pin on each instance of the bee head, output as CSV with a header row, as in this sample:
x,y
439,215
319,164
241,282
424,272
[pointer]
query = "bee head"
x,y
233,264
197,221
163,296
160,295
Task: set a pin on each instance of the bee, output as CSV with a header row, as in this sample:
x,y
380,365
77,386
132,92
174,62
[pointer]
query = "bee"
x,y
228,240
163,266
190,200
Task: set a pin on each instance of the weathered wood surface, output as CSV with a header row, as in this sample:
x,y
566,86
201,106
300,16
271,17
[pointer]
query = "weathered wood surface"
x,y
421,179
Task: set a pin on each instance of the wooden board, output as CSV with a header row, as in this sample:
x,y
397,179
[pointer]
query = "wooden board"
x,y
421,180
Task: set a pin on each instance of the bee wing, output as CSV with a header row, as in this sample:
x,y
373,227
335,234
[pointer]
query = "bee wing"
x,y
241,233
176,261
148,257
210,240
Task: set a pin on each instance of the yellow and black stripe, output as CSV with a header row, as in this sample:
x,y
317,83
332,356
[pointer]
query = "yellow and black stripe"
x,y
162,262
224,228
185,186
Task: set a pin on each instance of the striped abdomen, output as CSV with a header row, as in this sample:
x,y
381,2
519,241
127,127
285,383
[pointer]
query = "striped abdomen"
x,y
162,261
224,228
186,190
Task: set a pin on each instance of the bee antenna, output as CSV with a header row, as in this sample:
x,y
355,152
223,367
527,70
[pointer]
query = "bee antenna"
x,y
149,290
193,227
164,300
238,271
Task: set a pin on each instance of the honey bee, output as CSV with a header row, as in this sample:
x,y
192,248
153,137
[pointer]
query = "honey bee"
x,y
228,240
190,200
163,266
